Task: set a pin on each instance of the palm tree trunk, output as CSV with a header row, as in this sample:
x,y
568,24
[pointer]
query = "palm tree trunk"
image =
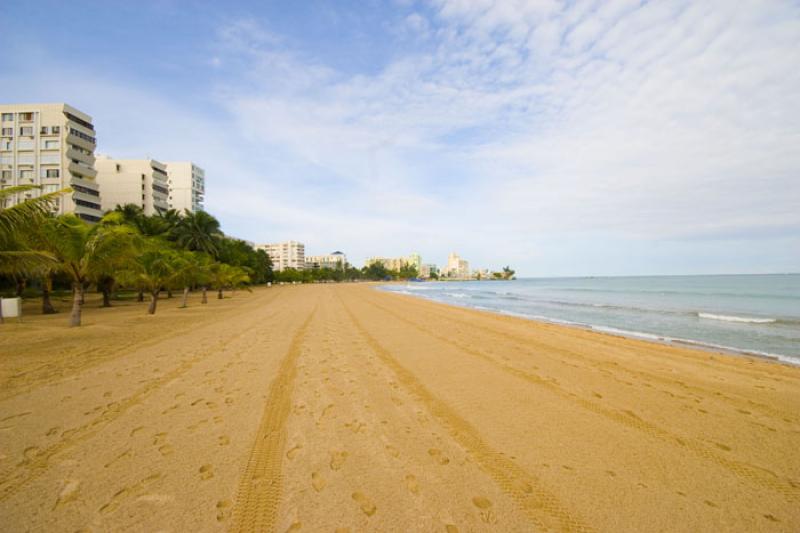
x,y
47,305
77,301
83,294
106,296
185,296
219,294
20,281
151,309
169,293
140,298
205,295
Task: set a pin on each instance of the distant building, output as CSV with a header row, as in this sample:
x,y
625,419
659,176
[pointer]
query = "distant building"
x,y
396,263
187,186
333,261
141,182
52,146
289,254
428,270
456,267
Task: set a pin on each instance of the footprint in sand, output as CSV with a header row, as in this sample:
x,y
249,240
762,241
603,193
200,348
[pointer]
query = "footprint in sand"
x,y
394,452
223,510
68,493
412,484
206,472
291,454
337,460
364,503
438,456
450,528
485,505
318,482
224,440
165,450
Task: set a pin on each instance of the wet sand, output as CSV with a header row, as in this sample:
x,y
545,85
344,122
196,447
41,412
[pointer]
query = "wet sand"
x,y
338,407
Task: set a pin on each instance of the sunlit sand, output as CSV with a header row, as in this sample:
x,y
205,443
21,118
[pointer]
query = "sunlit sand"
x,y
338,407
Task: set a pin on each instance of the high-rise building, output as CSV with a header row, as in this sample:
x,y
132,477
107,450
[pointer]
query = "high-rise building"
x,y
187,186
333,261
51,146
289,254
142,182
457,267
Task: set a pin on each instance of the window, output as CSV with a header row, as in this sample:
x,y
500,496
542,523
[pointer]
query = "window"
x,y
5,145
44,130
50,145
26,174
5,174
8,117
52,173
8,132
55,130
27,130
49,188
26,117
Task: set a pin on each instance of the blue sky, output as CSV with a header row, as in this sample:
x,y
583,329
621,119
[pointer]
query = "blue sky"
x,y
563,138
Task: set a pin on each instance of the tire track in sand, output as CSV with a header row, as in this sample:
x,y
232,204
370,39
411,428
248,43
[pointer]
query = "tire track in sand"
x,y
594,364
259,492
38,461
67,365
762,477
540,505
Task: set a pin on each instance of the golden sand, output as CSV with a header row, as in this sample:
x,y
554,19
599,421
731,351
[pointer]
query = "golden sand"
x,y
338,407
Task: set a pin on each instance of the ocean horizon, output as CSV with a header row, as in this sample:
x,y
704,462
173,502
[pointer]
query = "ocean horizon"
x,y
756,314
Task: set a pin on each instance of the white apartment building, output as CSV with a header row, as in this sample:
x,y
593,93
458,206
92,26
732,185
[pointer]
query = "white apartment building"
x,y
52,146
333,261
289,254
187,186
142,182
456,267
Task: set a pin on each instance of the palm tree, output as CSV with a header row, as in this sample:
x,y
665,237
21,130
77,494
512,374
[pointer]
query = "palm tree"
x,y
17,256
224,275
198,232
82,251
191,269
152,270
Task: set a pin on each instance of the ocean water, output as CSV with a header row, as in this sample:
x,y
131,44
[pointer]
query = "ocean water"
x,y
756,314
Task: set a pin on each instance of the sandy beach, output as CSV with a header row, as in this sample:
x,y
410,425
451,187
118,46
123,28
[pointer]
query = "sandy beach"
x,y
342,408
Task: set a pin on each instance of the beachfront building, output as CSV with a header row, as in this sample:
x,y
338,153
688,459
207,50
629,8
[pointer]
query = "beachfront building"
x,y
187,186
457,267
51,146
289,254
396,263
142,182
334,261
428,270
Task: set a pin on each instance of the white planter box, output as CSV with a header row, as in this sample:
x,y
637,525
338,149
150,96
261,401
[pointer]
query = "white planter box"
x,y
12,307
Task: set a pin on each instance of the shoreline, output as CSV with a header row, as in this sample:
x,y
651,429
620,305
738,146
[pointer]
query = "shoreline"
x,y
614,332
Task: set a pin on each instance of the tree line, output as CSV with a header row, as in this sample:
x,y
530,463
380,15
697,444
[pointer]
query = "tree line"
x,y
170,251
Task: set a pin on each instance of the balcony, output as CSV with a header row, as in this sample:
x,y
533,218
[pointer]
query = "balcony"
x,y
82,170
80,156
73,138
